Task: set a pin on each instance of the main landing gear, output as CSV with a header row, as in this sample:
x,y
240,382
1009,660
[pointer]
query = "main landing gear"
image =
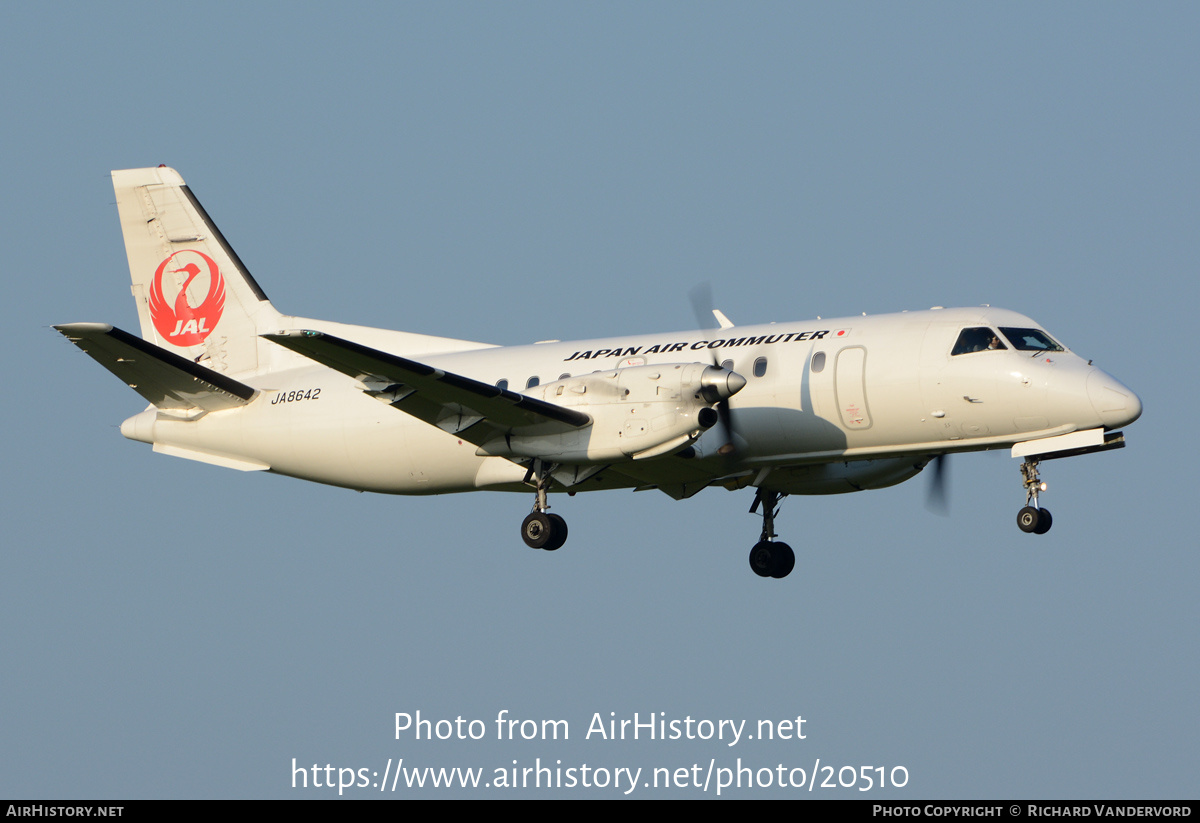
x,y
1033,519
770,558
541,530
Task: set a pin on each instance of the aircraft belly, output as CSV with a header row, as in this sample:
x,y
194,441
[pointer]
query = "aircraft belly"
x,y
840,478
223,435
334,437
394,453
295,437
499,474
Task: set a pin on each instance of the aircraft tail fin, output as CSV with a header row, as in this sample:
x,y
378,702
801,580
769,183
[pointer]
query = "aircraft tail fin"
x,y
194,296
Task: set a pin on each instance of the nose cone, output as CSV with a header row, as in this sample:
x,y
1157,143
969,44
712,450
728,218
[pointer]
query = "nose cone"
x,y
1112,400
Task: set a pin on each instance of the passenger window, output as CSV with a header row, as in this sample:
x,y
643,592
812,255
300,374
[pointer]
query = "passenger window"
x,y
760,367
979,338
564,376
727,364
818,362
531,382
502,384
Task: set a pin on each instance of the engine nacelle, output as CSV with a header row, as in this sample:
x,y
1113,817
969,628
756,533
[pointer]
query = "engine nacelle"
x,y
637,412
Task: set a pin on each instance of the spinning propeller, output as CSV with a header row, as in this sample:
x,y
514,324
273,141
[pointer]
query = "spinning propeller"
x,y
937,499
708,317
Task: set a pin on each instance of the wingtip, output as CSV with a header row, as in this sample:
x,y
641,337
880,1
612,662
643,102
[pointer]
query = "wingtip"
x,y
70,328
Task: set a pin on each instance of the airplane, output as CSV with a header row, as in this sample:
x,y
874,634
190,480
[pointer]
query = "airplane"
x,y
822,406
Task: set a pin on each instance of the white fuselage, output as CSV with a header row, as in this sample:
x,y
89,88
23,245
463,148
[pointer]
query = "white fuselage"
x,y
828,406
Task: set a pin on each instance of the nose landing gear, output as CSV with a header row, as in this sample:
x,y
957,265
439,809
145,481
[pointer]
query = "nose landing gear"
x,y
769,558
1033,519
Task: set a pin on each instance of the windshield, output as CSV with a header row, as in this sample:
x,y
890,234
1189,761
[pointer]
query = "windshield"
x,y
978,338
1030,339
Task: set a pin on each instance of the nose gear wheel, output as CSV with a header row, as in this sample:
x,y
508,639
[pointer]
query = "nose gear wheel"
x,y
1033,519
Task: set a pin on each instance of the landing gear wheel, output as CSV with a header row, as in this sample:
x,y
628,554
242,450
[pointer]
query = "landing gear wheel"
x,y
1044,521
541,530
1033,518
1029,518
784,560
762,558
769,558
558,533
537,530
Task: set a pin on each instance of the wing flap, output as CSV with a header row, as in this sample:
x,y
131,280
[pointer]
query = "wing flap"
x,y
162,377
449,401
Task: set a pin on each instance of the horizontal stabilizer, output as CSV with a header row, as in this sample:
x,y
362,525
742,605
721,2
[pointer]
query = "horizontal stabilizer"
x,y
444,399
162,377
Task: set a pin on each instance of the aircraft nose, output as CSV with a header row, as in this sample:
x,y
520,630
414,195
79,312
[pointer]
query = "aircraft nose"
x,y
1116,404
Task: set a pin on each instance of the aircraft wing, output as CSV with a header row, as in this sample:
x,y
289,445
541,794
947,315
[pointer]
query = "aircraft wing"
x,y
449,401
162,377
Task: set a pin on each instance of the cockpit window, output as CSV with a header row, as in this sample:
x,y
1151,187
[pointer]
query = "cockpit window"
x,y
1030,339
980,338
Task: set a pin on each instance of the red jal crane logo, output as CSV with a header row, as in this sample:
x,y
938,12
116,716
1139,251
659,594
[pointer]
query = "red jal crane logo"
x,y
184,324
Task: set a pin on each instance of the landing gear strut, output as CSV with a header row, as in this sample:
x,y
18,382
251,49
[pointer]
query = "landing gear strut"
x,y
1033,519
541,530
770,558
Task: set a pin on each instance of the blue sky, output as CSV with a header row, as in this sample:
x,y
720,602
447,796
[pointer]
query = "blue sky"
x,y
517,172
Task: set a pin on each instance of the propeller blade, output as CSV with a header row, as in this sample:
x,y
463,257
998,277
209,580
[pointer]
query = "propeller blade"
x,y
702,304
701,296
726,423
937,498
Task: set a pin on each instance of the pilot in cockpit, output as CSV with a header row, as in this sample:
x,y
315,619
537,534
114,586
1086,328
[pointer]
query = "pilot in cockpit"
x,y
976,339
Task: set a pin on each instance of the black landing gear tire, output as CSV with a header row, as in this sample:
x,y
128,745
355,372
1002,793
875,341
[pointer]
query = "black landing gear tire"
x,y
1034,521
785,561
768,559
544,531
537,530
1044,521
558,533
760,558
